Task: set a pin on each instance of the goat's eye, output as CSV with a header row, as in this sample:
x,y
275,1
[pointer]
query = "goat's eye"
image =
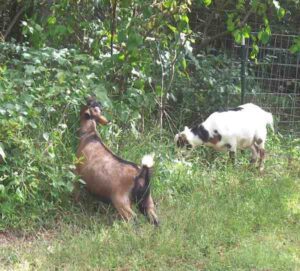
x,y
87,116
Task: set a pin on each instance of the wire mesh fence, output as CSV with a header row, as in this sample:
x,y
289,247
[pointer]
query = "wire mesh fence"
x,y
273,81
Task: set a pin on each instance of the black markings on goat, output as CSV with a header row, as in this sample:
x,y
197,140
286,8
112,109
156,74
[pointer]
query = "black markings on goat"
x,y
93,103
228,146
201,132
258,141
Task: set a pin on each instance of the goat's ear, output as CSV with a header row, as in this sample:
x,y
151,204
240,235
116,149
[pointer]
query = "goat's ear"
x,y
186,128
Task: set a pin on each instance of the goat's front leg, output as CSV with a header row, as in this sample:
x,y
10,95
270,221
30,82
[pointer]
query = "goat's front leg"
x,y
232,151
232,154
261,152
261,160
76,191
232,157
255,152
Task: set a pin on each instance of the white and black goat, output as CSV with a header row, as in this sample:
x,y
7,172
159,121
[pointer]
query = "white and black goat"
x,y
239,128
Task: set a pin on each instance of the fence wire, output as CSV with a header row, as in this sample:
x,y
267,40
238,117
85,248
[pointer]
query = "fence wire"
x,y
273,81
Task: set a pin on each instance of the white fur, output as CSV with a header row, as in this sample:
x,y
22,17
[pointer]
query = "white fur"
x,y
148,160
192,138
237,128
257,111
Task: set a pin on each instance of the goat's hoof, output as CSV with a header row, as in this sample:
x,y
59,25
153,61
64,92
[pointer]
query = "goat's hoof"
x,y
156,223
253,161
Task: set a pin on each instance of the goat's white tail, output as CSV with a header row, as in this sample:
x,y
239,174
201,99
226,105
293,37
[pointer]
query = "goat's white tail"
x,y
148,160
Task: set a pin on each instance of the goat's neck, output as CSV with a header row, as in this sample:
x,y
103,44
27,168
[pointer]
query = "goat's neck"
x,y
87,127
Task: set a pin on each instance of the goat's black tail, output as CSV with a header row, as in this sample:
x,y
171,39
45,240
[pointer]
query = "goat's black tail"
x,y
141,189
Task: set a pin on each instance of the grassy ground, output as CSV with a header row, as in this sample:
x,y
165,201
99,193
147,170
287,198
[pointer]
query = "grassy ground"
x,y
214,216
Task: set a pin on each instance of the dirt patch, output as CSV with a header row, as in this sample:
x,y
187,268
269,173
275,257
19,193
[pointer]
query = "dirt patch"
x,y
11,237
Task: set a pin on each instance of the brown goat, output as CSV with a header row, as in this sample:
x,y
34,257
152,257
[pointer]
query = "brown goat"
x,y
108,176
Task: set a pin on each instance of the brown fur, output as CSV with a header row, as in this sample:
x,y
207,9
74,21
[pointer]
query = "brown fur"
x,y
107,175
214,140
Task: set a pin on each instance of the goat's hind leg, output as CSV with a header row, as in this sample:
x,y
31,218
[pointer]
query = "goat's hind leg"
x,y
123,206
261,159
261,152
147,208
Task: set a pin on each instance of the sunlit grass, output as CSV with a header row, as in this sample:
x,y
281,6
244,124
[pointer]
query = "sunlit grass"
x,y
214,216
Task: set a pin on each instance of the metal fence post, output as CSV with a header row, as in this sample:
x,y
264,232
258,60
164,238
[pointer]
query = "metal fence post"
x,y
243,62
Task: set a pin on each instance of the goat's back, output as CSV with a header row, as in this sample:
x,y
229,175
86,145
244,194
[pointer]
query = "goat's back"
x,y
104,173
248,120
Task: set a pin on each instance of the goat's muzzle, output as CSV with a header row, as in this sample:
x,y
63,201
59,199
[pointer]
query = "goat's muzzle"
x,y
103,120
181,141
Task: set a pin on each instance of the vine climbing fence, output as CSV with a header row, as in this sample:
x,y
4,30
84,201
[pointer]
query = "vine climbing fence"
x,y
273,81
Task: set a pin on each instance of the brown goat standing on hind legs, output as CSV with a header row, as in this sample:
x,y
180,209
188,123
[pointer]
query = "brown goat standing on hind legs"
x,y
107,175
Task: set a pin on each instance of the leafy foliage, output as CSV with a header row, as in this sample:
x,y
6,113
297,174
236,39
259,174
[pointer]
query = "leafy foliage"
x,y
41,93
141,58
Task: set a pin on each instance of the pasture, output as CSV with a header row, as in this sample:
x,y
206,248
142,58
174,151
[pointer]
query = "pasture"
x,y
155,67
214,216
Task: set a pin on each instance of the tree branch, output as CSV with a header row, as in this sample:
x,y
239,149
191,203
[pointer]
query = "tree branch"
x,y
13,22
206,41
207,25
113,25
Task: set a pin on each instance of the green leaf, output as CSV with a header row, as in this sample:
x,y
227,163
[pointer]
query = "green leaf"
x,y
125,3
51,20
122,36
254,51
183,62
264,35
134,40
230,23
295,48
101,95
159,91
173,28
168,4
281,13
246,30
185,18
207,2
238,36
121,57
240,5
61,76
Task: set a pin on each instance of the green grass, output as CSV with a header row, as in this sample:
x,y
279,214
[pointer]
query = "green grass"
x,y
214,216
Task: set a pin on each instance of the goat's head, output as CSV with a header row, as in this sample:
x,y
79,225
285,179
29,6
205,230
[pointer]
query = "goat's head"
x,y
93,110
181,139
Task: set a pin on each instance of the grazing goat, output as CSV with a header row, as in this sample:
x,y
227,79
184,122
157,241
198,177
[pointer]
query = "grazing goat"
x,y
238,128
108,176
